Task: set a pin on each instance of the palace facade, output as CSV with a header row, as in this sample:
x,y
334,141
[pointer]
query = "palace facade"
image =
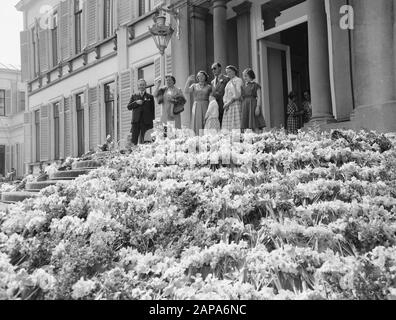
x,y
81,61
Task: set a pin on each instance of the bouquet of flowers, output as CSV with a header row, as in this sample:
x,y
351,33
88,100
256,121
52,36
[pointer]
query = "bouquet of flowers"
x,y
178,101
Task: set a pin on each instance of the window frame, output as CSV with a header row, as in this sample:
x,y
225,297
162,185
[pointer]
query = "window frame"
x,y
3,101
150,85
56,119
108,19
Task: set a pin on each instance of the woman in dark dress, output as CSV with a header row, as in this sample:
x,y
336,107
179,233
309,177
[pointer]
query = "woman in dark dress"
x,y
292,114
252,117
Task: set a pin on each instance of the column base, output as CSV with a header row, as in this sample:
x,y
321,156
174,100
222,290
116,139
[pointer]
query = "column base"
x,y
381,117
320,121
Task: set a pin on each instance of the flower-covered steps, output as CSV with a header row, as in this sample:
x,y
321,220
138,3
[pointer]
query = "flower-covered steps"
x,y
32,189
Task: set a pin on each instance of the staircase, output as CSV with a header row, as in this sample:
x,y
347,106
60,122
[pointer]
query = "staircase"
x,y
32,189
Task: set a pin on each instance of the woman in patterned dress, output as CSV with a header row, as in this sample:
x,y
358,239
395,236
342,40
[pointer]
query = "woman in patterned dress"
x,y
232,100
212,121
292,114
251,102
168,92
201,92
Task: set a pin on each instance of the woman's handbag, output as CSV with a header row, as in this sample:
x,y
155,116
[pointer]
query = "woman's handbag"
x,y
260,120
178,108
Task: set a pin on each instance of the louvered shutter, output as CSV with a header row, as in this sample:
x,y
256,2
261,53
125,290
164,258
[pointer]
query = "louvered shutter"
x,y
8,102
168,66
62,129
125,8
25,54
86,120
21,101
8,159
65,29
28,137
44,133
14,99
92,22
68,127
44,37
125,95
94,123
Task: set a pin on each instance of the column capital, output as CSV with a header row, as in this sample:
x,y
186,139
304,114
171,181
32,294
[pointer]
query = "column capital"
x,y
243,8
199,13
219,3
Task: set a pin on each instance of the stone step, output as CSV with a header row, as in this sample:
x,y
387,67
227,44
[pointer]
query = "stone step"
x,y
11,197
86,164
39,185
68,175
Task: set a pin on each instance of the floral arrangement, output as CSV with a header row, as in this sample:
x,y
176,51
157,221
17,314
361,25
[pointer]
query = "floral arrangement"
x,y
304,217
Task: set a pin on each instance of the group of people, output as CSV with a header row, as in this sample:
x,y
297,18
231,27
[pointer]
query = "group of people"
x,y
296,117
227,102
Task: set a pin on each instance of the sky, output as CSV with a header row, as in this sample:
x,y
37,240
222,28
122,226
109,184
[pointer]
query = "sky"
x,y
11,23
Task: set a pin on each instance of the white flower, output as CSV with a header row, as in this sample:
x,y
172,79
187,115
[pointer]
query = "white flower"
x,y
83,288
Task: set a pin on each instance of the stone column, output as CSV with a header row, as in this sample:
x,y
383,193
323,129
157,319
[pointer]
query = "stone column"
x,y
319,62
198,17
181,58
244,35
374,65
220,30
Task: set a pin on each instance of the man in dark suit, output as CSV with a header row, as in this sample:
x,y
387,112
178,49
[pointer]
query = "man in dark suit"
x,y
143,112
218,87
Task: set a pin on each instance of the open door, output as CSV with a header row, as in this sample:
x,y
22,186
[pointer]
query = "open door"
x,y
276,80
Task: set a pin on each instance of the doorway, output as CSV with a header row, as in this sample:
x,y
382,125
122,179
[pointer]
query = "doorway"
x,y
284,68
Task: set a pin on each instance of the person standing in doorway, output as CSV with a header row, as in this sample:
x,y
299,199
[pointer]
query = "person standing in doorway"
x,y
293,114
143,112
218,87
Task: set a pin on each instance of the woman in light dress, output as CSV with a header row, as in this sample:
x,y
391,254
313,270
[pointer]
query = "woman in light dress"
x,y
232,100
165,96
201,92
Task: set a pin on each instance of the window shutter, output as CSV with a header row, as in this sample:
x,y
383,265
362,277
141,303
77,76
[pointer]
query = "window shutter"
x,y
86,120
92,22
68,126
14,99
25,54
28,137
125,95
94,122
21,101
44,133
44,49
125,11
62,129
168,64
8,159
8,102
65,29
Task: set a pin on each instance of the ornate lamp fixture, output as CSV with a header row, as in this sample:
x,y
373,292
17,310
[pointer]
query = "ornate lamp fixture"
x,y
161,32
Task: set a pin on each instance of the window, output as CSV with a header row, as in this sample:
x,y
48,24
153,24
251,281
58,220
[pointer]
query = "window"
x,y
80,123
2,103
78,8
147,73
108,19
56,131
110,91
37,133
54,32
